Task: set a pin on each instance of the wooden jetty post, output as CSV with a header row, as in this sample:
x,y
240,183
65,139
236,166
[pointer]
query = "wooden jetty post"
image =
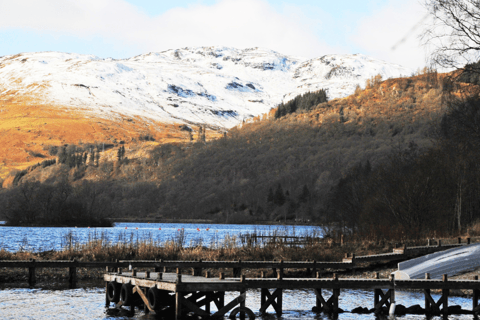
x,y
475,296
432,306
381,298
427,294
31,274
445,293
72,276
197,270
330,305
237,271
274,299
157,267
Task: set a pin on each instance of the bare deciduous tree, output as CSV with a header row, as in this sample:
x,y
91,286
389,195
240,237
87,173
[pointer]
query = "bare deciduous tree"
x,y
454,35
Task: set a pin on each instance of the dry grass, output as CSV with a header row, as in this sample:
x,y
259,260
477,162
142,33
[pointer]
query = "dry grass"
x,y
225,250
27,127
100,250
391,99
474,230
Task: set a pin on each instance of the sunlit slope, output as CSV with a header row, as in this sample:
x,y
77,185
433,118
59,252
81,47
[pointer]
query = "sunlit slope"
x,y
216,86
52,98
310,149
26,132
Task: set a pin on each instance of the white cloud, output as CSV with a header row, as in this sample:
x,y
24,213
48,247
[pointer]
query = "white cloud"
x,y
83,18
236,23
381,33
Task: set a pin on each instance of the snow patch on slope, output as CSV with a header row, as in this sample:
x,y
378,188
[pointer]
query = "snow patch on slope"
x,y
214,85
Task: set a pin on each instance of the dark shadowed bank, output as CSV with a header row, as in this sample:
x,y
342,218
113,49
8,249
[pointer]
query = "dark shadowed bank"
x,y
56,205
397,160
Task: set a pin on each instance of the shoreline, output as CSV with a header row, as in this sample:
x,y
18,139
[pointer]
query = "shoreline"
x,y
160,221
57,279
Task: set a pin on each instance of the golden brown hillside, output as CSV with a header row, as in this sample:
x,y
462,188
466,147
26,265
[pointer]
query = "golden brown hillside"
x,y
270,168
402,99
28,129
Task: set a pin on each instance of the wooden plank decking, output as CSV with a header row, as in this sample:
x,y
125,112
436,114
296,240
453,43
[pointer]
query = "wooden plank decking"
x,y
190,289
349,263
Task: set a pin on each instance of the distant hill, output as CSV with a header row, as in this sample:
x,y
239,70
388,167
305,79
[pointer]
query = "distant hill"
x,y
265,169
216,86
52,98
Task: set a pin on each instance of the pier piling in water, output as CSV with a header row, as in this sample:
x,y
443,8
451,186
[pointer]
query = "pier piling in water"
x,y
184,294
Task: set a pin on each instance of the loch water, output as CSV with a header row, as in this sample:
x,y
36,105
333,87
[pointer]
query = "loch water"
x,y
190,234
89,303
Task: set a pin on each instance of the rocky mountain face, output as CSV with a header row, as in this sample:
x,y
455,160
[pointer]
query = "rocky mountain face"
x,y
216,86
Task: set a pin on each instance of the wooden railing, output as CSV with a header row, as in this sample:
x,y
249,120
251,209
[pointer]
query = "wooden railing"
x,y
197,267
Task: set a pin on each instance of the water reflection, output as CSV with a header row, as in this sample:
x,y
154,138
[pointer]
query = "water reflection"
x,y
210,235
89,303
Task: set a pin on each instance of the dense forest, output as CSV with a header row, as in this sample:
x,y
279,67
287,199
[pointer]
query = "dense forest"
x,y
433,191
279,168
303,102
396,160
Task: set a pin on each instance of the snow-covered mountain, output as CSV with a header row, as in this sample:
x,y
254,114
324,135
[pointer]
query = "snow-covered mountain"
x,y
213,85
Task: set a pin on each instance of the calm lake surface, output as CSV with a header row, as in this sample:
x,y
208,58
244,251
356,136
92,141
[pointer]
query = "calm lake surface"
x,y
211,235
88,303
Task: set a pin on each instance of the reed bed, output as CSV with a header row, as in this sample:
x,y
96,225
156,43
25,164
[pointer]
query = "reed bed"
x,y
255,246
246,247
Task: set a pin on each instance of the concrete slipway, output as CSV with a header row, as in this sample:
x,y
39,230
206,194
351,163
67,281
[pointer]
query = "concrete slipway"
x,y
452,262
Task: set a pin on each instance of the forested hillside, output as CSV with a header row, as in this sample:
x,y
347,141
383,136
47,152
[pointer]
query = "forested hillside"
x,y
281,168
287,168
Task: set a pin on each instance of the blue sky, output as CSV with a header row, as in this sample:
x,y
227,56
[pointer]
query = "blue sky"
x,y
125,28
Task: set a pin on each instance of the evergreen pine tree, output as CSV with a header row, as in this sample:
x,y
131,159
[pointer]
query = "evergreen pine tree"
x,y
342,115
204,133
97,159
270,195
62,156
92,157
78,160
368,167
71,160
304,195
119,154
279,198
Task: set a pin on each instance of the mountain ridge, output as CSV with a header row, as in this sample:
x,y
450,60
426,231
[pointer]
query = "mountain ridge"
x,y
52,98
231,179
216,86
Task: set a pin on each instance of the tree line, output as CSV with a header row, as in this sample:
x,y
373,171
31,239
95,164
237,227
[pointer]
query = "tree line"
x,y
273,170
390,172
417,192
303,102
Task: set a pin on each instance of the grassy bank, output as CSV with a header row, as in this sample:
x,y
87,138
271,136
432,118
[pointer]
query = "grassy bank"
x,y
227,249
247,247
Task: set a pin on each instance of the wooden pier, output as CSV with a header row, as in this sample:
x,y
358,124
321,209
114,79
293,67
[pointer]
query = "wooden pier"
x,y
177,295
350,262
